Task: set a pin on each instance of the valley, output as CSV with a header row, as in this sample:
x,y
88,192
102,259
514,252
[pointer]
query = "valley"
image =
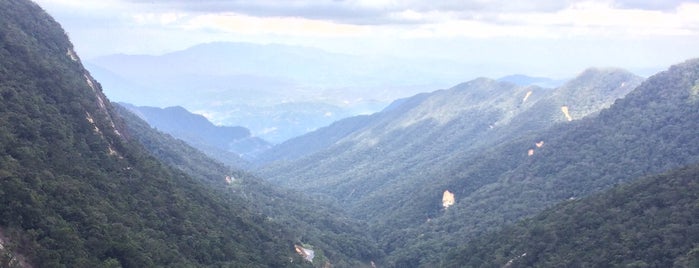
x,y
598,170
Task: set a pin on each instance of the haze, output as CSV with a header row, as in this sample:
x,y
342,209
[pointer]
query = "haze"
x,y
284,68
543,38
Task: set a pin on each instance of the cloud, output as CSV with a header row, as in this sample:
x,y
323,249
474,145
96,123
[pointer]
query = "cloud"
x,y
475,30
649,4
394,18
414,18
378,12
249,25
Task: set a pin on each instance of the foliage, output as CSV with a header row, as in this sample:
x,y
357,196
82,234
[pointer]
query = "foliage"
x,y
342,240
473,140
77,192
651,130
653,222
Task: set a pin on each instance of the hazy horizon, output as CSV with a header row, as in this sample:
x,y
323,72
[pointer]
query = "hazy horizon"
x,y
554,39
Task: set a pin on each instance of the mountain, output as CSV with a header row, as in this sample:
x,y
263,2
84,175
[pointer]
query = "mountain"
x,y
528,108
228,144
277,91
280,122
314,223
652,222
494,167
312,142
649,131
78,191
421,132
525,80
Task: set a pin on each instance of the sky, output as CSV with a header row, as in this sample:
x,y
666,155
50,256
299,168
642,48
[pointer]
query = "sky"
x,y
553,38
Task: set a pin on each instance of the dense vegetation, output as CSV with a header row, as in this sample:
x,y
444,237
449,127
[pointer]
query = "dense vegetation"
x,y
393,173
651,130
81,187
653,222
342,241
77,192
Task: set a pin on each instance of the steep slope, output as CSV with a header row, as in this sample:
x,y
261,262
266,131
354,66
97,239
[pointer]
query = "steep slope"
x,y
594,89
651,130
78,192
336,238
199,132
414,136
653,222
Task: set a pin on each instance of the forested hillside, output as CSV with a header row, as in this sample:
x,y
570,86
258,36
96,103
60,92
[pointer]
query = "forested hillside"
x,y
651,130
485,174
416,134
653,222
336,238
382,158
500,165
77,191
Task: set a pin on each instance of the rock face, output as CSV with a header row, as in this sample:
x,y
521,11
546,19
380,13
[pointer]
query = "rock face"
x,y
306,253
447,199
566,113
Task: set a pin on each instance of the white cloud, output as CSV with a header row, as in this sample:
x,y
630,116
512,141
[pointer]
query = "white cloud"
x,y
244,24
164,19
514,33
591,19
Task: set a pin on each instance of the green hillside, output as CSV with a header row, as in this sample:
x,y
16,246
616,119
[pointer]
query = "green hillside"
x,y
503,155
485,174
343,241
651,130
653,222
77,191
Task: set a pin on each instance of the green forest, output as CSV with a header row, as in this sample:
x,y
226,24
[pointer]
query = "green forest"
x,y
77,191
87,183
653,222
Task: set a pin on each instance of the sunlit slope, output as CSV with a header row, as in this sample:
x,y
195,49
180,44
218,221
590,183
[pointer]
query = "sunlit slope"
x,y
500,164
408,143
651,130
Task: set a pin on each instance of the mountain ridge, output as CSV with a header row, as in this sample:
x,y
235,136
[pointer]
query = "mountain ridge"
x,y
232,145
230,78
78,191
503,182
577,159
336,238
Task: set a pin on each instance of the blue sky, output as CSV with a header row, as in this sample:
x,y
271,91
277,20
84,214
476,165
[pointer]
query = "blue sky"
x,y
543,38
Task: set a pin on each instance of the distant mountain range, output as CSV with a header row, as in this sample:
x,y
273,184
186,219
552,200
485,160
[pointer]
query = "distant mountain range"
x,y
276,91
229,145
474,112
